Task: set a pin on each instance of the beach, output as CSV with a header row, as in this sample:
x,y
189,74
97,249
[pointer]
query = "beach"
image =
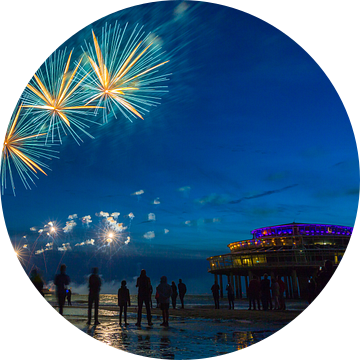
x,y
199,331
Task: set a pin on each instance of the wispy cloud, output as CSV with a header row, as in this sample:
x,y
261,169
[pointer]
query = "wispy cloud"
x,y
265,193
215,199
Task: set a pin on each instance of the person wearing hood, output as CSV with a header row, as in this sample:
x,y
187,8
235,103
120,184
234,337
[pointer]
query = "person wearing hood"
x,y
165,291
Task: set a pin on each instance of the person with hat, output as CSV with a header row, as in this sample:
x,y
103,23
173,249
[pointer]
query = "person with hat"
x,y
165,291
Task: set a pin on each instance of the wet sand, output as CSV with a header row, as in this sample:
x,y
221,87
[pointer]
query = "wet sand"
x,y
253,316
207,312
194,333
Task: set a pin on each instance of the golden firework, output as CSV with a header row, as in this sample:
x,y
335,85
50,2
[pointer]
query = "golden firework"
x,y
57,98
121,76
23,149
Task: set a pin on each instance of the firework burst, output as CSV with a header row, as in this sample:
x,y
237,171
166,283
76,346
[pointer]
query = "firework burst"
x,y
22,150
124,72
21,251
57,99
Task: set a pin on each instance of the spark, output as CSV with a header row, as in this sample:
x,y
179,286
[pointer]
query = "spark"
x,y
22,149
20,252
56,97
124,72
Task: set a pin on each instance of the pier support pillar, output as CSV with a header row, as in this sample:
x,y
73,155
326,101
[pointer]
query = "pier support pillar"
x,y
288,282
221,287
246,285
294,284
216,279
237,294
240,287
232,281
250,278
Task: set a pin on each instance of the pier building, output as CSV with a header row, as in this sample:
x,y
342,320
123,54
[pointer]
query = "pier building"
x,y
295,252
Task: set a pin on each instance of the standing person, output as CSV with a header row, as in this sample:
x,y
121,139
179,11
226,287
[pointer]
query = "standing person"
x,y
151,292
265,292
282,288
61,281
123,301
94,294
216,295
144,285
37,281
174,294
231,295
254,293
68,296
275,290
157,300
182,292
165,291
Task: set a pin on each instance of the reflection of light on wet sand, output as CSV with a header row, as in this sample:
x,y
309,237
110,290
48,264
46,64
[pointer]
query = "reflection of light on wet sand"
x,y
185,338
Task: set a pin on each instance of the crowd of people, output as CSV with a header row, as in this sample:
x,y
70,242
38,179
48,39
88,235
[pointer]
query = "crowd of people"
x,y
164,292
271,293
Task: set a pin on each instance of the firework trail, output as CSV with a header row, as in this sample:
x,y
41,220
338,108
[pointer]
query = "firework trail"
x,y
57,99
22,150
124,71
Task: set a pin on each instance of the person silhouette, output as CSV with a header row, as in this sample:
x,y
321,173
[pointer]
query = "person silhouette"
x,y
165,291
94,295
144,285
37,281
123,300
265,293
174,294
182,292
254,292
216,295
61,281
231,295
68,296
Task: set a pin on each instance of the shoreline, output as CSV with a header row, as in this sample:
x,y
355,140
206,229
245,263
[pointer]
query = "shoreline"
x,y
207,312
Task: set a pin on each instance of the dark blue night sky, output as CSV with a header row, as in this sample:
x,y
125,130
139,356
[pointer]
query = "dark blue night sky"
x,y
252,133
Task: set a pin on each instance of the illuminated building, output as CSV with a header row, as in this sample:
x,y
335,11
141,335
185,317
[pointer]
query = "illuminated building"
x,y
295,252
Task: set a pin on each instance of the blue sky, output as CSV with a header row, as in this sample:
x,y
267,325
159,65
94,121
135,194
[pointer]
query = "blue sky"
x,y
252,133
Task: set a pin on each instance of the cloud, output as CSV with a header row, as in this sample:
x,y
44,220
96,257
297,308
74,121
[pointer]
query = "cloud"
x,y
184,189
265,193
87,242
277,176
140,192
86,220
149,235
115,215
354,191
214,199
201,221
102,214
156,201
64,247
69,226
166,231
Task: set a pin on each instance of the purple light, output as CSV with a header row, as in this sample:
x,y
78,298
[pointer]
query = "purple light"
x,y
288,229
